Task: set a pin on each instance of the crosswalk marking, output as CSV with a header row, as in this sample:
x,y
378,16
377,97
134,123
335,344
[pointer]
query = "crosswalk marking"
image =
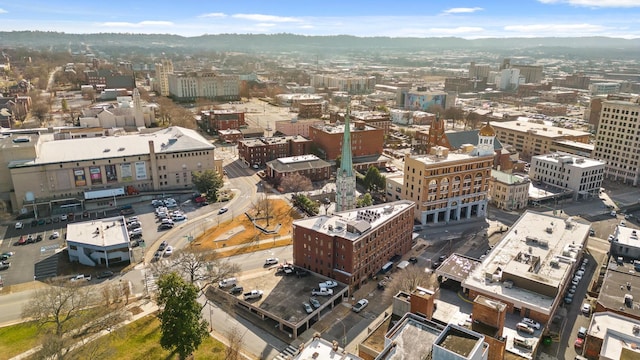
x,y
287,353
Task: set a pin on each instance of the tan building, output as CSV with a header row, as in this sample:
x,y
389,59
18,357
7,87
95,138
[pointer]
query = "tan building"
x,y
297,126
617,141
163,69
447,186
508,191
45,172
530,139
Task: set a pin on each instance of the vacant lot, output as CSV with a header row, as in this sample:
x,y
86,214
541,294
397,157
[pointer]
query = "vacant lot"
x,y
280,212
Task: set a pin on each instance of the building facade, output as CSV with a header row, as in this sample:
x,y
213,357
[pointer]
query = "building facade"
x,y
309,166
163,69
617,140
350,84
352,246
297,126
45,172
103,242
216,120
508,191
209,85
447,186
530,139
582,176
259,151
365,140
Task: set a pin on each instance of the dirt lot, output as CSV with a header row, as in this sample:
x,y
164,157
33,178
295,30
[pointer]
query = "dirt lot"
x,y
241,231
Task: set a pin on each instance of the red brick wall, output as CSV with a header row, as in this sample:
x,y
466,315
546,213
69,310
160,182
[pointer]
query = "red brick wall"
x,y
363,143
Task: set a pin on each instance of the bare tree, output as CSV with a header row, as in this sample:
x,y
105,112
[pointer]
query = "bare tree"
x,y
205,267
234,337
74,313
296,183
409,279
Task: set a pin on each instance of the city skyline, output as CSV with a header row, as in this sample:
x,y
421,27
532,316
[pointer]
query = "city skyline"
x,y
465,19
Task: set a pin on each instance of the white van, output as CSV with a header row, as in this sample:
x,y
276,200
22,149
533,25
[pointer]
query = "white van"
x,y
521,342
227,282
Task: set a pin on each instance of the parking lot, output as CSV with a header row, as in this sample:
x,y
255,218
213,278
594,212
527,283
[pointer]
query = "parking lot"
x,y
45,258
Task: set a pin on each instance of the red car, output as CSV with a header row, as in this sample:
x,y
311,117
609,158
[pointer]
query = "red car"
x,y
22,240
579,343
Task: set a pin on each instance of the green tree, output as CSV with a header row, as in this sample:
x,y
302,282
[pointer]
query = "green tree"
x,y
373,180
208,182
182,326
364,200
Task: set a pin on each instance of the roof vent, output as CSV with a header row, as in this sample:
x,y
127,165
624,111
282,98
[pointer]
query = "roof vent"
x,y
121,149
106,150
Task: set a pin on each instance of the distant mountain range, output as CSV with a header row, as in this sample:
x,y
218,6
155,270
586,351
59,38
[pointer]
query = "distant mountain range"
x,y
604,47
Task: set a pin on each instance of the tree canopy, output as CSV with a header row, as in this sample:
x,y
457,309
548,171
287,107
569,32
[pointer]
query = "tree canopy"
x,y
373,180
208,182
296,183
182,326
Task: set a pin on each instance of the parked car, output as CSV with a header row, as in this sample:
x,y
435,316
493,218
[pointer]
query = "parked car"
x,y
134,225
328,284
361,304
162,246
236,290
4,265
6,256
253,294
586,309
227,282
322,291
132,219
135,235
38,237
307,308
165,226
81,277
64,217
43,221
19,225
34,223
413,260
579,343
314,302
30,239
179,217
168,251
534,324
55,219
222,211
105,274
271,261
22,240
54,235
135,231
525,328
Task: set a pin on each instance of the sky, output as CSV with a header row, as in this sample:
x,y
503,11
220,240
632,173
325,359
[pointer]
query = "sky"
x,y
396,18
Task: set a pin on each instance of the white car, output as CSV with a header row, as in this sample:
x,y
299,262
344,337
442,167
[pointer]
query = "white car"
x,y
168,251
179,217
19,225
532,323
361,304
329,284
54,235
63,217
135,231
271,261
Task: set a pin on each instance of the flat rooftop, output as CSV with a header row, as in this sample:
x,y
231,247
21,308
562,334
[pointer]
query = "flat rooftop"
x,y
339,128
413,338
169,140
320,349
441,159
353,224
100,232
626,236
457,267
620,335
524,125
459,340
614,288
298,159
507,178
569,160
531,262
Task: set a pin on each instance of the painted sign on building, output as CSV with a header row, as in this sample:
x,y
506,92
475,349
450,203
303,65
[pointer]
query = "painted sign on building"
x,y
141,170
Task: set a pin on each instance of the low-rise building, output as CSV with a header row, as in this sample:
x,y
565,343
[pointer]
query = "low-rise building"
x,y
230,136
352,246
581,175
103,242
612,336
625,243
261,150
508,191
297,126
531,268
216,120
365,140
310,166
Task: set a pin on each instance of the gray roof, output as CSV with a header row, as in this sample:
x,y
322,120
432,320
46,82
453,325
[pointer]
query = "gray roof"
x,y
281,167
459,138
170,140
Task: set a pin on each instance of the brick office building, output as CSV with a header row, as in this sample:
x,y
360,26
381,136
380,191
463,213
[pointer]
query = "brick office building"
x,y
352,246
261,150
365,140
216,120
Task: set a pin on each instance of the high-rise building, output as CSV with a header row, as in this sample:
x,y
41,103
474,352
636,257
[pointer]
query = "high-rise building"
x,y
163,69
617,140
346,179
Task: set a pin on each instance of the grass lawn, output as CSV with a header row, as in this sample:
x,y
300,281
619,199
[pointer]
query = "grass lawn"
x,y
16,339
141,340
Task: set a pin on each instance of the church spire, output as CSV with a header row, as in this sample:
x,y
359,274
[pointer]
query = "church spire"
x,y
345,179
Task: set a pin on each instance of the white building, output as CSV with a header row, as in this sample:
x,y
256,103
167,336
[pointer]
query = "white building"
x,y
102,242
583,176
128,111
604,88
508,79
210,85
352,84
617,140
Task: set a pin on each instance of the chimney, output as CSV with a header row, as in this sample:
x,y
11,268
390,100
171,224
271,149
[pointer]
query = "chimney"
x,y
423,302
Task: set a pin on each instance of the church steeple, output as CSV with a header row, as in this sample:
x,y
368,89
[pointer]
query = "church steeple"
x,y
345,179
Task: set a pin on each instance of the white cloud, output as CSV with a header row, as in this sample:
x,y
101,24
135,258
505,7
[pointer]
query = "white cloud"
x,y
265,25
596,3
266,18
136,25
462,10
559,29
217,15
3,11
455,31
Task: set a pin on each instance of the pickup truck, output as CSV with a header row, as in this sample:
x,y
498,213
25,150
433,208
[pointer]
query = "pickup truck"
x,y
253,294
322,291
81,277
